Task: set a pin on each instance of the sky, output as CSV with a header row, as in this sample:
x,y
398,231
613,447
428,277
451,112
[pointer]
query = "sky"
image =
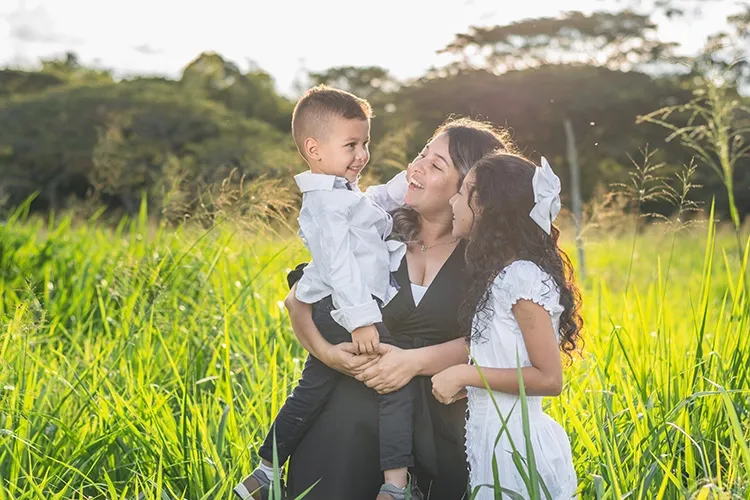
x,y
280,36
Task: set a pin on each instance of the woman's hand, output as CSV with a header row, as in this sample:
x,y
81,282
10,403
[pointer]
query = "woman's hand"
x,y
448,386
344,358
395,368
341,358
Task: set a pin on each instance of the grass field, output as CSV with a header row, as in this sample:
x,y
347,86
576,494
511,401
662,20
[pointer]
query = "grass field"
x,y
143,363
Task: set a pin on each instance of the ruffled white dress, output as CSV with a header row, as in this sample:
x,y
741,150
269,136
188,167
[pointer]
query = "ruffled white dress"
x,y
501,340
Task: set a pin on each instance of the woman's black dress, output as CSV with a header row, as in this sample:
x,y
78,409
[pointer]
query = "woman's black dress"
x,y
341,447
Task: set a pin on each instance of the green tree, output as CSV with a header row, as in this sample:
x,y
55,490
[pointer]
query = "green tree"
x,y
70,69
118,137
602,105
252,94
619,40
17,82
368,82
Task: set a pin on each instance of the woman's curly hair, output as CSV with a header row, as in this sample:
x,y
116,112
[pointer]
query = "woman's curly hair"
x,y
501,198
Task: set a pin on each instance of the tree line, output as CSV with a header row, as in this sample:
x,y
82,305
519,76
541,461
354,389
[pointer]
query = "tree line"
x,y
71,134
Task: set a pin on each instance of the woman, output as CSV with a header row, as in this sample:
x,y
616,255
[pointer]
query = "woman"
x,y
340,451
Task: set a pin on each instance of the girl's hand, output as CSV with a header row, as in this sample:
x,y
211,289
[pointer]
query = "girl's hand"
x,y
448,386
344,358
395,368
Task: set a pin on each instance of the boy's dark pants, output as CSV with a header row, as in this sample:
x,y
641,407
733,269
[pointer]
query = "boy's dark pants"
x,y
315,387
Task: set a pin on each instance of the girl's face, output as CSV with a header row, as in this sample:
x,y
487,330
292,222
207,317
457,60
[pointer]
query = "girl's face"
x,y
432,178
464,209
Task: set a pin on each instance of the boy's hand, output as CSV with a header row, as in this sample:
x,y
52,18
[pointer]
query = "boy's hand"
x,y
366,339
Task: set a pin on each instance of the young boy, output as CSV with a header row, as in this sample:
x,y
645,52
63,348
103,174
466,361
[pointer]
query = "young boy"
x,y
348,280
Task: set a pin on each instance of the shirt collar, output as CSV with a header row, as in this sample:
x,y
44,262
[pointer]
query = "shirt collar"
x,y
308,181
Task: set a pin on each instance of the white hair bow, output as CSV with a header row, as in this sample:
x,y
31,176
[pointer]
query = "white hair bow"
x,y
546,196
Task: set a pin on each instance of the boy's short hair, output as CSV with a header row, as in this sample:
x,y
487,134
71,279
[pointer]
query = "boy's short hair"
x,y
318,105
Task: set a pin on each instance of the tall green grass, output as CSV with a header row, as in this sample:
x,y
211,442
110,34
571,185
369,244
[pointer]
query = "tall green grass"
x,y
148,363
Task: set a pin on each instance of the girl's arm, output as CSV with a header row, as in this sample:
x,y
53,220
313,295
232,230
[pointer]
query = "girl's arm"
x,y
542,378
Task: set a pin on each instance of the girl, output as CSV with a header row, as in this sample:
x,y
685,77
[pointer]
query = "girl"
x,y
521,304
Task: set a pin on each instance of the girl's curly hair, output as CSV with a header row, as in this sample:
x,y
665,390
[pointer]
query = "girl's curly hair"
x,y
502,197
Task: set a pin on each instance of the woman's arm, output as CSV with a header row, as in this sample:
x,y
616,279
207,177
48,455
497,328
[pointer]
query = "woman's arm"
x,y
397,367
341,357
542,378
300,315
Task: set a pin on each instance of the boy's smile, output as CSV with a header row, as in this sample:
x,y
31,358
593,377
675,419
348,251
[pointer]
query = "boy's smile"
x,y
344,151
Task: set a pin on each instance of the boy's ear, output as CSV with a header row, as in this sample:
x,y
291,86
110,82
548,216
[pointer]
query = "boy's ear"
x,y
312,149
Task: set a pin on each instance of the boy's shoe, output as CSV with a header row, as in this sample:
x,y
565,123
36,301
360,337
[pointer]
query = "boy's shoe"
x,y
256,486
397,493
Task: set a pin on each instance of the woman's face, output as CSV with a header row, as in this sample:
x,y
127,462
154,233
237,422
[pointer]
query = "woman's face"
x,y
464,208
433,179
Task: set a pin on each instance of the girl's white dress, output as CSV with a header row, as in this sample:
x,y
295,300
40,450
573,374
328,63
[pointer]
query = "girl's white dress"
x,y
501,340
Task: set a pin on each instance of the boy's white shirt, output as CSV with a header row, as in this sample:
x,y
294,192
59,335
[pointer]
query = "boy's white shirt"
x,y
345,232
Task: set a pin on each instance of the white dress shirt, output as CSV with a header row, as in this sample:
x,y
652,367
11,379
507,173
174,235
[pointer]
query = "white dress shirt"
x,y
345,231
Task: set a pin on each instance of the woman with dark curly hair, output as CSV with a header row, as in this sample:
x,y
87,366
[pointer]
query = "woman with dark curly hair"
x,y
521,306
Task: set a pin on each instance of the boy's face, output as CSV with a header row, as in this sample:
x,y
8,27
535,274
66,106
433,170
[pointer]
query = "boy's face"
x,y
344,150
